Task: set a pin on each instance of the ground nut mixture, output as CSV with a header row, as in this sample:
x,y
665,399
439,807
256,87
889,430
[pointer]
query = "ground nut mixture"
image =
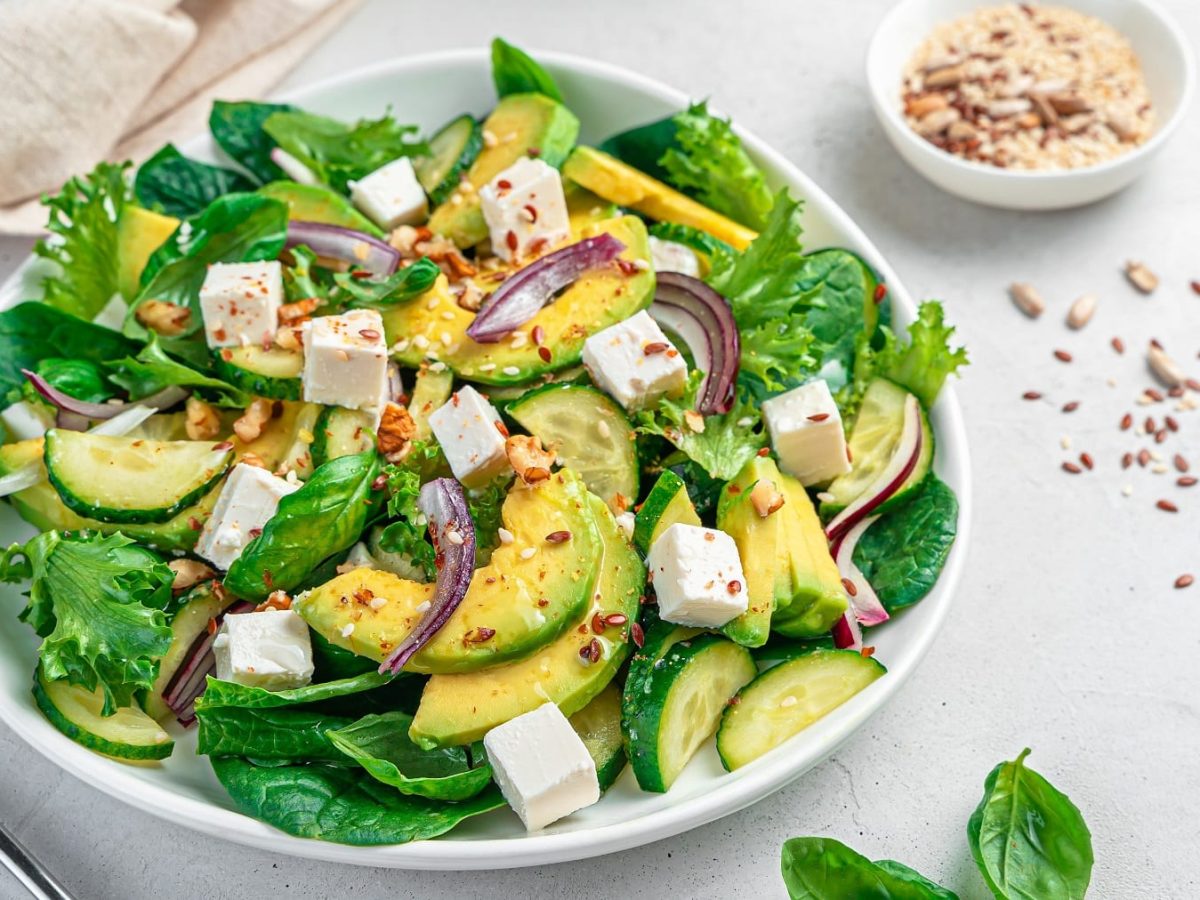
x,y
1028,87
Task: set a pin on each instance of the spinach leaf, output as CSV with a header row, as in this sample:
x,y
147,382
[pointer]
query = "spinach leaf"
x,y
31,332
380,744
268,734
82,222
515,72
902,554
338,153
833,294
816,868
1028,839
98,603
334,662
644,147
238,130
152,370
324,516
234,228
229,693
181,187
402,285
80,378
341,805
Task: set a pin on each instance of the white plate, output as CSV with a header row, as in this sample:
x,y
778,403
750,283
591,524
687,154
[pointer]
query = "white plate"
x,y
430,90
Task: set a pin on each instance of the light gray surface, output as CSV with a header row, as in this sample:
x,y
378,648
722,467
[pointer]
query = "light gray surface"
x,y
1066,635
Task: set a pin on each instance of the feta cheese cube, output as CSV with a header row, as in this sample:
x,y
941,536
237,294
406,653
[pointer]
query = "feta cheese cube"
x,y
270,649
542,766
697,576
466,428
525,209
112,315
634,361
247,500
671,256
24,421
345,360
240,302
391,195
806,432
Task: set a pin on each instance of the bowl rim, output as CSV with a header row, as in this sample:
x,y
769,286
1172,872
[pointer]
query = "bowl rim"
x,y
738,789
890,111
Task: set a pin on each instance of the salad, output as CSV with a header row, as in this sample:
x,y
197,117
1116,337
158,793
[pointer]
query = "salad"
x,y
421,475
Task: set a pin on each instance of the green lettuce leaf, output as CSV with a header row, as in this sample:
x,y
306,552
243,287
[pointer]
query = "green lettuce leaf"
x,y
406,532
152,370
399,287
924,363
708,162
338,153
237,127
171,183
31,332
83,240
300,281
515,72
98,603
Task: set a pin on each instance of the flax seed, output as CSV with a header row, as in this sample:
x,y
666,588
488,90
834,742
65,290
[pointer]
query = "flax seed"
x,y
1184,581
1086,459
1062,356
1070,407
1167,506
1186,481
1181,463
1031,395
1118,345
1072,468
1126,422
1126,460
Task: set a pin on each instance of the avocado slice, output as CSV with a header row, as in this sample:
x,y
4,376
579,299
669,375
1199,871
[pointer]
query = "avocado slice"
x,y
585,208
667,504
624,185
316,203
520,124
139,233
513,607
458,709
599,298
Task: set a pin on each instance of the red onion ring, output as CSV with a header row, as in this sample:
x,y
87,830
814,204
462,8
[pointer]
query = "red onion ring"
x,y
864,602
188,681
79,411
703,320
359,250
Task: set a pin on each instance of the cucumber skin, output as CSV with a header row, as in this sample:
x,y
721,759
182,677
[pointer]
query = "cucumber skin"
x,y
440,193
321,439
113,516
648,517
86,739
256,384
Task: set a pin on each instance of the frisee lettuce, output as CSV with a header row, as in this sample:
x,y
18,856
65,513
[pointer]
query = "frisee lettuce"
x,y
83,240
405,532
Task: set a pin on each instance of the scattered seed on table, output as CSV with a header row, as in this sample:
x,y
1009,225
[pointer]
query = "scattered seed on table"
x,y
1027,299
1127,491
1171,423
1141,277
1196,287
1160,436
1062,356
1065,442
1031,395
1181,463
1126,460
1184,581
1143,457
1126,422
1151,426
1118,345
1086,459
1081,311
1186,481
1152,395
1167,506
1070,407
1072,468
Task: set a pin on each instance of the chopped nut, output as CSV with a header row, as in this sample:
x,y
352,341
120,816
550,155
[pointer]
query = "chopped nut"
x,y
919,107
1028,300
287,338
1121,123
947,76
189,573
694,421
938,121
528,458
253,459
1081,311
1045,110
1014,106
201,422
1164,368
765,497
962,131
250,425
162,317
275,600
295,313
396,431
1066,104
1141,277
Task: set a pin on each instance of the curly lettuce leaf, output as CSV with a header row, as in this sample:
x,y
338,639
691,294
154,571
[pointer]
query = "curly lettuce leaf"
x,y
405,533
338,153
83,240
924,363
173,184
98,603
516,72
707,161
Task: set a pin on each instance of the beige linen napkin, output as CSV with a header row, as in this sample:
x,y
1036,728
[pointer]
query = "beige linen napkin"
x,y
86,80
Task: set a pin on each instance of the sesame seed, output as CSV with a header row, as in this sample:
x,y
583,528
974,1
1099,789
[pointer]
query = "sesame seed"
x,y
1127,490
437,367
511,370
420,342
454,537
422,607
348,629
506,536
378,602
487,367
787,701
605,431
745,422
528,552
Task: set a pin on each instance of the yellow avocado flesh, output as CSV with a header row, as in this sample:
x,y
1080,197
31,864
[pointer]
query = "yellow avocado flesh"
x,y
434,323
139,233
608,177
516,604
458,709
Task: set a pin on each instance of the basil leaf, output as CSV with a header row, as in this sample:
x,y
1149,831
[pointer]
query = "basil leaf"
x,y
31,332
402,285
516,72
238,130
268,734
181,187
902,554
152,370
326,515
816,868
1028,839
341,805
79,378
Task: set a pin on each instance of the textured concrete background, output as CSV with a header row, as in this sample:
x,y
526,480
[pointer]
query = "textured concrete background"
x,y
1067,635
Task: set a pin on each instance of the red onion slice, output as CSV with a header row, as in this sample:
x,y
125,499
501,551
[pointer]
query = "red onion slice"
x,y
188,681
453,533
890,480
703,320
864,602
847,635
523,294
293,168
78,412
355,248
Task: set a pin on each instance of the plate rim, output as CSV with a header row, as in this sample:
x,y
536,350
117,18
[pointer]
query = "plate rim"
x,y
739,789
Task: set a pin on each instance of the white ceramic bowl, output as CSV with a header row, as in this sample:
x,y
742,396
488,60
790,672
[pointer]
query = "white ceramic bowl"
x,y
1166,58
429,90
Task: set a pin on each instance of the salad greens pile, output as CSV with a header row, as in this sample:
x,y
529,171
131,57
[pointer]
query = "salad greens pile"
x,y
346,596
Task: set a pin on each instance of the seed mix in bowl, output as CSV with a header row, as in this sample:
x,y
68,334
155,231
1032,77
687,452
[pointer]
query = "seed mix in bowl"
x,y
1028,87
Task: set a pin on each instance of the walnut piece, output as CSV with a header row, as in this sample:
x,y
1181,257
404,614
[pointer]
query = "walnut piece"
x,y
396,431
257,414
528,458
275,600
189,573
765,497
162,317
202,420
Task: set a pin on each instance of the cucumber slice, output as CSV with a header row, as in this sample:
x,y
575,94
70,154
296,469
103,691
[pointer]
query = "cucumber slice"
x,y
75,711
788,698
125,480
199,606
599,727
432,390
451,152
273,373
873,442
667,504
589,432
678,706
341,432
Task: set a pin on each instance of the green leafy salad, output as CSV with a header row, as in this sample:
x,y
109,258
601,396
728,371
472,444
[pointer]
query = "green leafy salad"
x,y
385,461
